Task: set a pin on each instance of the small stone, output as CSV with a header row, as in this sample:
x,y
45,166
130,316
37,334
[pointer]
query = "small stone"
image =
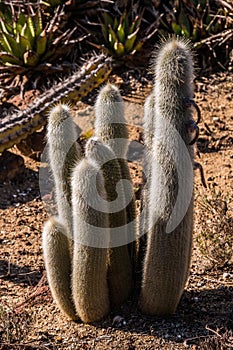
x,y
59,339
118,321
226,275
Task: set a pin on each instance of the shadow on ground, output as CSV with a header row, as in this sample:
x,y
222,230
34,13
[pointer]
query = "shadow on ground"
x,y
19,274
197,314
23,188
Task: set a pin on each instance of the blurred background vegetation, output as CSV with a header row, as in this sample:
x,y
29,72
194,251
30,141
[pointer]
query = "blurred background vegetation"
x,y
40,38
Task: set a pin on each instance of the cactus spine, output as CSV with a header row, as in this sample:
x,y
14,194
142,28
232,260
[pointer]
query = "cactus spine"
x,y
148,132
167,257
148,129
110,126
148,122
58,266
63,154
89,276
119,269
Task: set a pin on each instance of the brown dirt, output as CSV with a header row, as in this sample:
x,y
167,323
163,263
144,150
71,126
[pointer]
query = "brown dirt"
x,y
29,319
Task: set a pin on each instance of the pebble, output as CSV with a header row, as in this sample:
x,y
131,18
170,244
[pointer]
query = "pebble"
x,y
118,321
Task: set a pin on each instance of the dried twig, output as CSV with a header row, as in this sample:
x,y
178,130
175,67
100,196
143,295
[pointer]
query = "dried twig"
x,y
39,290
28,344
9,274
200,167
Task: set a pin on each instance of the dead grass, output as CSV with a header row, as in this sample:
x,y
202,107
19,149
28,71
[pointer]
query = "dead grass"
x,y
215,234
218,340
14,326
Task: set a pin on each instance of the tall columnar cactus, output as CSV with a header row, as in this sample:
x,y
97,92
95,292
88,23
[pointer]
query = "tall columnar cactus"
x,y
57,234
58,265
91,236
110,126
167,259
119,264
64,152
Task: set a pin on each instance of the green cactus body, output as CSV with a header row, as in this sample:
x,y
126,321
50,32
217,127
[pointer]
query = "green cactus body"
x,y
89,275
63,154
167,259
119,269
58,266
110,126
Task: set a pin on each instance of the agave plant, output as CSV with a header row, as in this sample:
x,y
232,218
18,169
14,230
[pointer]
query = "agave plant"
x,y
30,40
195,19
123,32
208,24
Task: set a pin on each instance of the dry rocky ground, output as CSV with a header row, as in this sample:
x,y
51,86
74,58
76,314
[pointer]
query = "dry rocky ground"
x,y
29,319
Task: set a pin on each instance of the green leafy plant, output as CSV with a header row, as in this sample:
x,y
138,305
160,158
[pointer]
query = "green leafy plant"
x,y
23,40
120,35
30,40
208,24
198,19
123,32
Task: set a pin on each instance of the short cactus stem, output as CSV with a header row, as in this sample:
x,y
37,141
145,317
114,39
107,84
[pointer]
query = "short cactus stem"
x,y
110,123
58,265
64,152
89,275
119,269
168,252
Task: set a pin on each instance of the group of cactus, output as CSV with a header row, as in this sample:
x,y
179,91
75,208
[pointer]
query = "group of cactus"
x,y
92,250
88,270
